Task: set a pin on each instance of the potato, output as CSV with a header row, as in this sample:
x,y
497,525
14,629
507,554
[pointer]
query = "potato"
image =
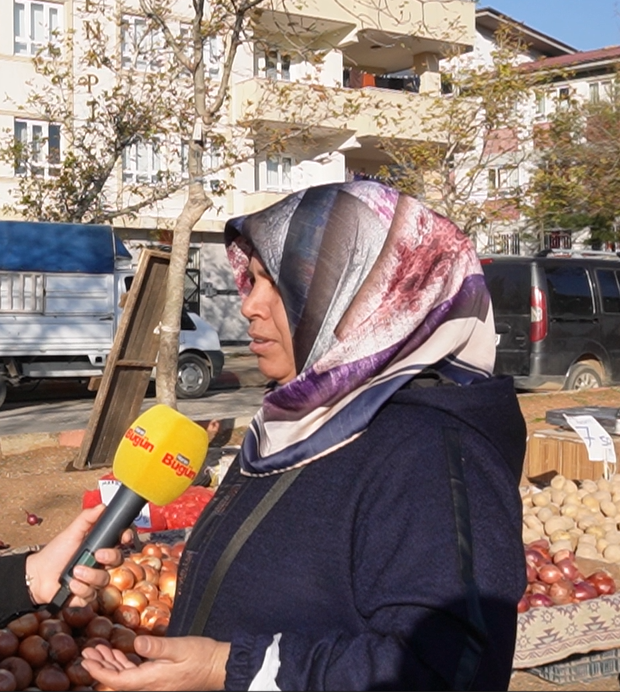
x,y
612,552
558,482
608,508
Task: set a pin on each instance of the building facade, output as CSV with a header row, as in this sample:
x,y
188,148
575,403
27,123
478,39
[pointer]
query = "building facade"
x,y
319,71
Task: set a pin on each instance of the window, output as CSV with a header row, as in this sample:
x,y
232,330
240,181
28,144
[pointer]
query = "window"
x,y
541,103
212,52
279,169
610,292
569,291
563,97
600,91
212,161
277,65
35,24
503,180
39,148
140,47
142,163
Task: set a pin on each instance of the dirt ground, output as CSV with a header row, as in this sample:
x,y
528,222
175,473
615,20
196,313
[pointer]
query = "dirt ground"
x,y
42,482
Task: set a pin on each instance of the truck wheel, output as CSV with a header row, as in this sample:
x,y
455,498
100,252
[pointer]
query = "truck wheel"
x,y
2,390
194,376
583,376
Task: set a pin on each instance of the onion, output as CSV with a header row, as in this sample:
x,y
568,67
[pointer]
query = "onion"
x,y
52,677
22,671
177,550
136,599
523,605
148,589
539,587
549,573
152,549
584,591
151,574
602,582
539,600
168,583
34,650
535,558
531,572
563,554
169,565
9,643
138,571
150,561
542,546
122,578
568,568
109,598
561,592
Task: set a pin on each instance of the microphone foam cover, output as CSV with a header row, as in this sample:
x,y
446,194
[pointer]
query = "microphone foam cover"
x,y
160,454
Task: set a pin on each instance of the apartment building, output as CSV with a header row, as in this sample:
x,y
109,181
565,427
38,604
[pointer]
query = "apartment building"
x,y
312,52
562,73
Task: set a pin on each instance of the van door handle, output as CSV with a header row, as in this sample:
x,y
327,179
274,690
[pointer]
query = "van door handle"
x,y
107,318
520,338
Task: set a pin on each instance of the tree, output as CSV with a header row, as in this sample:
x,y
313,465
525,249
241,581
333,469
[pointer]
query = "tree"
x,y
576,183
100,113
181,108
469,172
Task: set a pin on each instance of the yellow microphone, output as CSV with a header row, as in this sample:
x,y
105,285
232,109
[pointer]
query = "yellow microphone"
x,y
156,461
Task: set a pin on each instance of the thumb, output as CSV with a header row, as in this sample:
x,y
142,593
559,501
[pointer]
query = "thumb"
x,y
158,647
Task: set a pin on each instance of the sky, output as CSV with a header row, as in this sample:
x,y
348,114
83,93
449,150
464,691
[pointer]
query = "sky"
x,y
582,24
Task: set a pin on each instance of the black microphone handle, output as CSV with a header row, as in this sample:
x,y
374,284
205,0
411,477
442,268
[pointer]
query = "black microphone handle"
x,y
123,508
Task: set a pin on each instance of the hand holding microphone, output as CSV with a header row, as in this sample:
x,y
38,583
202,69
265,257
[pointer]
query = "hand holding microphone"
x,y
156,461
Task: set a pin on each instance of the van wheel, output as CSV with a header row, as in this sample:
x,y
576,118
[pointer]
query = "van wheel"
x,y
194,376
2,390
583,376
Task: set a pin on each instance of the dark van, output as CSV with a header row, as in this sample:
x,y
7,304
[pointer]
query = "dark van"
x,y
557,318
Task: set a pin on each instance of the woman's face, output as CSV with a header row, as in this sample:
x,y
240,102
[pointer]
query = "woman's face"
x,y
269,329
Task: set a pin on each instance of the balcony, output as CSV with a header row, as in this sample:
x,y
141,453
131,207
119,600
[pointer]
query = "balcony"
x,y
380,39
331,116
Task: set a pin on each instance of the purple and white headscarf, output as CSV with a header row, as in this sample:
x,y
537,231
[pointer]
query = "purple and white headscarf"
x,y
377,287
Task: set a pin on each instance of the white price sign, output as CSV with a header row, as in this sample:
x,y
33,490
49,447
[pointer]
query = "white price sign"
x,y
597,440
108,488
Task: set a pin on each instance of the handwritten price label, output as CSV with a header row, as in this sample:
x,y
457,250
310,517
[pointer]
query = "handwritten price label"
x,y
597,440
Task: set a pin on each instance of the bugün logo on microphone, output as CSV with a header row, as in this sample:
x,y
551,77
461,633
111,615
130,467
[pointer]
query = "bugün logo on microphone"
x,y
137,437
179,464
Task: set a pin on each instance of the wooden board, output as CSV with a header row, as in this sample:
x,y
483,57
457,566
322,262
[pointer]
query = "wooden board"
x,y
562,451
129,364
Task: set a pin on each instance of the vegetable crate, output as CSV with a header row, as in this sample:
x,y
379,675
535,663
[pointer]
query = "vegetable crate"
x,y
581,667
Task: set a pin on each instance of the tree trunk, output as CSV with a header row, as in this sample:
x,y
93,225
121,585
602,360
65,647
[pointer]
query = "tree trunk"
x,y
196,205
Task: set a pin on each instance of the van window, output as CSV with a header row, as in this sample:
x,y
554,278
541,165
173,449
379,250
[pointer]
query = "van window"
x,y
509,286
568,291
610,293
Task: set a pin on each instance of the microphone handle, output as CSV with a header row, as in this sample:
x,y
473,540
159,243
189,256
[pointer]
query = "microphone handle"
x,y
123,508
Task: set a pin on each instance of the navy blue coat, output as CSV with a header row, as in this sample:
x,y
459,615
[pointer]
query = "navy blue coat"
x,y
395,562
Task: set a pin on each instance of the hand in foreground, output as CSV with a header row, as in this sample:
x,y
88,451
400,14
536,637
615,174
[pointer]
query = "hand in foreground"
x,y
175,663
46,566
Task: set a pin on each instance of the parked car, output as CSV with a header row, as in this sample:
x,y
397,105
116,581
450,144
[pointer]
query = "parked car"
x,y
557,318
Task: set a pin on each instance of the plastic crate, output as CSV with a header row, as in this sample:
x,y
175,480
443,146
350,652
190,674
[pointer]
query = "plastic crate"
x,y
581,667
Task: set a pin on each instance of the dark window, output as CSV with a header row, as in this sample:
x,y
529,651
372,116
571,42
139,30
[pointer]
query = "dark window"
x,y
610,293
509,286
568,291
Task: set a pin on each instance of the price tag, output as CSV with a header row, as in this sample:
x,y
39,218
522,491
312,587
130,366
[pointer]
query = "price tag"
x,y
597,440
108,488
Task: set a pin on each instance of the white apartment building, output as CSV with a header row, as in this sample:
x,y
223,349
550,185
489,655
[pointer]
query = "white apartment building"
x,y
564,73
340,48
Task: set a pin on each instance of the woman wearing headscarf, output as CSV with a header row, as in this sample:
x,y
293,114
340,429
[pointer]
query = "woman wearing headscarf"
x,y
368,535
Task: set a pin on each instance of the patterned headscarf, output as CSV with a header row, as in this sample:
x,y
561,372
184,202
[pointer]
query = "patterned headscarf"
x,y
376,287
